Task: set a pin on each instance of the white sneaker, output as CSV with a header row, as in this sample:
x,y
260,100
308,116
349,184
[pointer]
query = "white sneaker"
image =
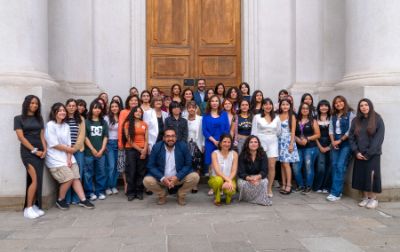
x,y
372,204
332,198
325,191
39,211
108,192
364,202
102,196
276,184
319,191
115,190
93,197
30,213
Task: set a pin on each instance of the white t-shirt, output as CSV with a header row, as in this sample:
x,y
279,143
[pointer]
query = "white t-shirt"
x,y
56,134
112,129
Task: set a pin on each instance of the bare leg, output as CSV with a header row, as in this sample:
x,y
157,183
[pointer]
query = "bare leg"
x,y
283,174
125,184
271,174
77,186
31,192
63,189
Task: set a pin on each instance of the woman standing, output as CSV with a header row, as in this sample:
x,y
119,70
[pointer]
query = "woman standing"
x,y
155,91
136,145
29,129
145,97
233,95
195,138
323,172
366,138
187,96
220,91
267,126
339,127
166,102
256,103
215,123
131,102
77,129
287,146
82,107
283,93
176,91
112,147
59,158
252,173
203,105
155,120
95,147
307,98
176,121
224,168
244,88
230,111
307,132
244,124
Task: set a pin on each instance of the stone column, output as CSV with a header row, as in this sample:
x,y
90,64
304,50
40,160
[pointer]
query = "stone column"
x,y
373,71
23,71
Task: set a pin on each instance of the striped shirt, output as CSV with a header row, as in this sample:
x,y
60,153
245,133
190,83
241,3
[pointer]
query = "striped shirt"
x,y
74,129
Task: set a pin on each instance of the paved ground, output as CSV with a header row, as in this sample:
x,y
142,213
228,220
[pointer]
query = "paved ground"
x,y
294,223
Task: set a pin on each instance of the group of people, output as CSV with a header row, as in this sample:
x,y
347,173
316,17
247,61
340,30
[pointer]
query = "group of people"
x,y
162,144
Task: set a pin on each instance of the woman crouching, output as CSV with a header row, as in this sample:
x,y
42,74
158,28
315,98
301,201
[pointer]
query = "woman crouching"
x,y
252,173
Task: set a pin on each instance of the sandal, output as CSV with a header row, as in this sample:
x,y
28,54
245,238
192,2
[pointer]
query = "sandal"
x,y
282,190
286,192
210,192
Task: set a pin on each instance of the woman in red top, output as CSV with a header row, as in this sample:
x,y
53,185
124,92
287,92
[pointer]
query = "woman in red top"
x,y
135,139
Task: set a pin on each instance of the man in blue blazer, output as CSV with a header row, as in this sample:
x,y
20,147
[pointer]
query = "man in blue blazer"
x,y
200,93
170,165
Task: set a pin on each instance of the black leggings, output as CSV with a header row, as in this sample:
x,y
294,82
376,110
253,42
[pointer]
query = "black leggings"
x,y
134,172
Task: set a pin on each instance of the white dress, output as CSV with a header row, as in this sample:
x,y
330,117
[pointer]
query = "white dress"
x,y
267,133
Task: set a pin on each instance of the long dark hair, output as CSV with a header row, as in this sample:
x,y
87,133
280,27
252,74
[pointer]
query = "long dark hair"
x,y
229,93
300,115
93,105
284,91
216,89
111,117
119,99
25,108
130,119
145,92
248,112
129,98
324,103
222,137
54,110
290,112
81,102
77,116
272,112
172,90
246,150
253,102
245,84
346,108
172,105
183,102
372,118
304,96
206,94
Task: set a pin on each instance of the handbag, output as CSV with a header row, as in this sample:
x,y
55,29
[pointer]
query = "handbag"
x,y
197,155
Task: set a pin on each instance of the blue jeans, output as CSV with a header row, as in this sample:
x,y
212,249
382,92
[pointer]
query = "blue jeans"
x,y
71,196
95,167
112,157
308,156
339,160
322,180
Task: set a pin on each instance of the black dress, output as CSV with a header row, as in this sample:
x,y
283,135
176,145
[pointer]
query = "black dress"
x,y
31,128
367,173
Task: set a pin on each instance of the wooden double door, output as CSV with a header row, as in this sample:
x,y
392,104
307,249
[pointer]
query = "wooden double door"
x,y
191,39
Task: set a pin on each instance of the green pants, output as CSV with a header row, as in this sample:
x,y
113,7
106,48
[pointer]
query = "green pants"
x,y
216,182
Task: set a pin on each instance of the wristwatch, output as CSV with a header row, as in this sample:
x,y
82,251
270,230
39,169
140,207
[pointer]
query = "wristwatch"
x,y
34,150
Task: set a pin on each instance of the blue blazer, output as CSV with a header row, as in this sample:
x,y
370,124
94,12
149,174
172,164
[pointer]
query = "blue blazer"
x,y
156,163
197,98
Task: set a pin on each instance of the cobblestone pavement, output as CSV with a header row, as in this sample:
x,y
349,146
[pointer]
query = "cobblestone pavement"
x,y
294,223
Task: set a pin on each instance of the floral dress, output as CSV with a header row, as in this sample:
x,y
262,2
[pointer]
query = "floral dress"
x,y
284,141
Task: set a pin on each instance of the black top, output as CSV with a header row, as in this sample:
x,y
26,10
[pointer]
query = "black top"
x,y
305,130
365,144
258,166
244,125
160,123
180,126
324,140
31,128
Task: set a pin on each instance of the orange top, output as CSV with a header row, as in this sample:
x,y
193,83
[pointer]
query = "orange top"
x,y
122,116
140,135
